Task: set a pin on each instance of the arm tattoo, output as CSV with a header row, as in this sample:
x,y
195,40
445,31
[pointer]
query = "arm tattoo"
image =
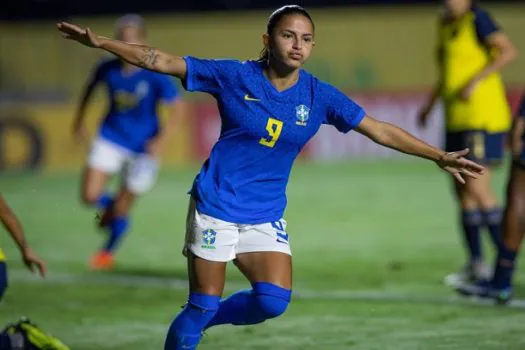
x,y
148,58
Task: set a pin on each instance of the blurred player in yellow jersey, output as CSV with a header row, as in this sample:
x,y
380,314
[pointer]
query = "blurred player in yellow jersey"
x,y
472,49
30,259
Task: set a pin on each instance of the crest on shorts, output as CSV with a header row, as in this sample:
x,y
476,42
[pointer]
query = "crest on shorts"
x,y
302,113
208,239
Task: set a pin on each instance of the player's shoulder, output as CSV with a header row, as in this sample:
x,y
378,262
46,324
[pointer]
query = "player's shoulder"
x,y
480,12
107,62
321,86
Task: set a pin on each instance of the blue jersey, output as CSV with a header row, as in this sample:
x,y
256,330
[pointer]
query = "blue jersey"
x,y
132,116
263,130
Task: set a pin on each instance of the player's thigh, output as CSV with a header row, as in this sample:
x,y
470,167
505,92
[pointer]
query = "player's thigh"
x,y
3,278
205,276
93,183
140,173
209,245
264,254
104,160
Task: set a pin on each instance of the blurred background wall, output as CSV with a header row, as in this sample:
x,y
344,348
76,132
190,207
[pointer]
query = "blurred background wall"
x,y
382,55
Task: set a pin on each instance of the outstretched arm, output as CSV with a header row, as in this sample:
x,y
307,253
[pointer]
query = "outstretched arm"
x,y
391,136
138,55
13,226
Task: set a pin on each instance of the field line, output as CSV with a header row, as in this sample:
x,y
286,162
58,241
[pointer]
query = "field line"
x,y
115,279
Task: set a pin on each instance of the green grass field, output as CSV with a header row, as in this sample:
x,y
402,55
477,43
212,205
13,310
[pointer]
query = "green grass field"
x,y
371,242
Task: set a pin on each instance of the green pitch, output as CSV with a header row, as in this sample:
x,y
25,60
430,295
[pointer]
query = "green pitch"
x,y
371,242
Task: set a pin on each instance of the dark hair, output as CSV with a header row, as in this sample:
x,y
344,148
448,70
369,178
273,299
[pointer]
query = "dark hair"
x,y
130,20
276,17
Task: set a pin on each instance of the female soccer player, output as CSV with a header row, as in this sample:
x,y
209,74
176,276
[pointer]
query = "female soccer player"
x,y
513,224
130,139
269,109
30,259
472,49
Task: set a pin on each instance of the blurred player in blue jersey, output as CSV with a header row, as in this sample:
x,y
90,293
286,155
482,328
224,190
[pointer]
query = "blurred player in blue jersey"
x,y
269,108
130,138
513,224
11,223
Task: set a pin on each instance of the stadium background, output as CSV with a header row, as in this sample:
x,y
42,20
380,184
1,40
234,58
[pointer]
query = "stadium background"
x,y
379,52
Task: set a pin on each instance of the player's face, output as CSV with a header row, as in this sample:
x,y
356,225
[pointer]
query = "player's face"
x,y
131,34
292,40
458,8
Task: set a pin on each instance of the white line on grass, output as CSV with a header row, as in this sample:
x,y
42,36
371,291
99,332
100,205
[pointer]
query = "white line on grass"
x,y
19,275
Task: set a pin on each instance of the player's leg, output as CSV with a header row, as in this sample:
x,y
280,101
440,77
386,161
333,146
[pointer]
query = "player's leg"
x,y
138,178
104,160
117,223
513,228
210,244
470,214
491,212
491,151
264,258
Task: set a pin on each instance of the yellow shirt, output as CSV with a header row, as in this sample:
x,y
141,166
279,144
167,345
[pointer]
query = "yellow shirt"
x,y
2,255
463,56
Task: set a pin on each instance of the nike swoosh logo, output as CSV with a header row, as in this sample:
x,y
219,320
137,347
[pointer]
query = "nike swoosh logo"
x,y
248,98
279,241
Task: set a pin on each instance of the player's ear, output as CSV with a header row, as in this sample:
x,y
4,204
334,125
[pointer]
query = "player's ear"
x,y
266,40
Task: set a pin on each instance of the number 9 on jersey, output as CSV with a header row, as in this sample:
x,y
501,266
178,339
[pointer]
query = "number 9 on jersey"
x,y
274,128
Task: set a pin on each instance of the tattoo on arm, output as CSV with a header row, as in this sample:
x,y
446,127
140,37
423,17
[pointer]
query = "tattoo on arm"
x,y
148,58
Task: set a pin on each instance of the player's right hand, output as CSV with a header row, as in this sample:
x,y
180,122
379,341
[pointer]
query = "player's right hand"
x,y
83,35
32,261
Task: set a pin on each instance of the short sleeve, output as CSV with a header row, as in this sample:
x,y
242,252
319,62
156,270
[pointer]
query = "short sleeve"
x,y
209,76
100,70
341,111
167,88
485,25
521,110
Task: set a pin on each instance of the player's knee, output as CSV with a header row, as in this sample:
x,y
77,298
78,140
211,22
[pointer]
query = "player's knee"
x,y
272,300
89,198
197,313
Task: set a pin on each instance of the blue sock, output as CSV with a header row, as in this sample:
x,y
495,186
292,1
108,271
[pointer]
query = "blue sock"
x,y
105,201
253,306
504,268
492,219
186,329
118,228
471,221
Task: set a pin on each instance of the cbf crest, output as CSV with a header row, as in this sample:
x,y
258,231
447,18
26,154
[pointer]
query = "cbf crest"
x,y
302,114
208,239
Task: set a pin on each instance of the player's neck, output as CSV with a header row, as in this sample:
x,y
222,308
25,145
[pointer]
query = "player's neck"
x,y
128,68
281,79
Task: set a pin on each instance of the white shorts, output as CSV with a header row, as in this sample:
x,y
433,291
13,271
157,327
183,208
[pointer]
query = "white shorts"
x,y
138,169
217,240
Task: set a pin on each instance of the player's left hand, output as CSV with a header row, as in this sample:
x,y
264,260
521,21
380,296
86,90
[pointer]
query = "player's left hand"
x,y
457,165
32,261
467,91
